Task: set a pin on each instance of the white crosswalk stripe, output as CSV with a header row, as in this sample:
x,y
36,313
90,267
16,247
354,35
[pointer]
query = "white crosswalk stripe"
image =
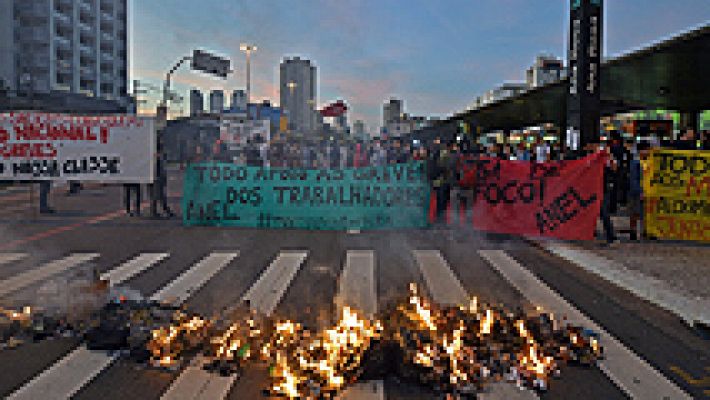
x,y
445,288
45,271
132,267
181,288
654,290
264,295
357,289
66,377
7,258
442,284
631,373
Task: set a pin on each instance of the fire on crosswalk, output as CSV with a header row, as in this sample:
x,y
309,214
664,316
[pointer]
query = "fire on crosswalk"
x,y
452,349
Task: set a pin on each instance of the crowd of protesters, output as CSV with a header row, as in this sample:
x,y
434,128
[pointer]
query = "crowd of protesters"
x,y
622,173
319,154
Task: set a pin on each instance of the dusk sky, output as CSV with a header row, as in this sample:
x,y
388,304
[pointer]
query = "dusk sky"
x,y
436,55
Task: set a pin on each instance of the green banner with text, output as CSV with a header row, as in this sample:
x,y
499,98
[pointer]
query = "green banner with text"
x,y
223,194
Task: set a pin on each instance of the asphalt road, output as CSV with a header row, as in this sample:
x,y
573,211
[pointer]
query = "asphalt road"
x,y
92,222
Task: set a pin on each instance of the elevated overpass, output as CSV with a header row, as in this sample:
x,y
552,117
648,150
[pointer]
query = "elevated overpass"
x,y
672,75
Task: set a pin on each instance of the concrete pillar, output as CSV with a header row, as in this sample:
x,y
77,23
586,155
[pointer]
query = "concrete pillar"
x,y
690,120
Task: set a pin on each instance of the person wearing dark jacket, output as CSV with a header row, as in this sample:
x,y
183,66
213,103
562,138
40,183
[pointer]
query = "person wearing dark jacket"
x,y
610,173
44,188
131,190
159,187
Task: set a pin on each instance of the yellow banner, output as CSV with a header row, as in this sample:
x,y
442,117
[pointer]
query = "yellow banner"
x,y
676,187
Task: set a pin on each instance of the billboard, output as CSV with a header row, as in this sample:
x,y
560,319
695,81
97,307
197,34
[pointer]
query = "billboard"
x,y
46,146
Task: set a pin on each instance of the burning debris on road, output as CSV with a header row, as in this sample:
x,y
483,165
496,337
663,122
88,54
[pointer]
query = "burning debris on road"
x,y
20,326
454,350
306,365
459,349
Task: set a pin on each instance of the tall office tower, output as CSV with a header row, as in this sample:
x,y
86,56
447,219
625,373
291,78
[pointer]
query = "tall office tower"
x,y
298,82
216,101
239,101
546,70
65,47
392,111
359,130
197,102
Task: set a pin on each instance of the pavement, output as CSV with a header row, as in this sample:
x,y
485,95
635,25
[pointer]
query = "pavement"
x,y
299,274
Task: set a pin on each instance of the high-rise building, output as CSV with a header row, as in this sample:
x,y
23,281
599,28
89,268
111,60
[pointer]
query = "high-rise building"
x,y
504,91
298,82
216,102
546,70
359,130
392,111
197,101
74,47
239,101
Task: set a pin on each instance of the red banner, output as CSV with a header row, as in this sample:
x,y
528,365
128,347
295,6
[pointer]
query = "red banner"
x,y
559,199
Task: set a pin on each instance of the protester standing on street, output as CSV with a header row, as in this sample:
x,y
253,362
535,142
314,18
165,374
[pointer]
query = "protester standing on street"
x,y
44,189
130,190
542,151
159,188
609,196
635,188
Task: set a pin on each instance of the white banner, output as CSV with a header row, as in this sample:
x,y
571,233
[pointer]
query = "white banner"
x,y
238,132
108,148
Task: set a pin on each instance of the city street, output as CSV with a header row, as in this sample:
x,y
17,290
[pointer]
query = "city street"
x,y
297,274
354,200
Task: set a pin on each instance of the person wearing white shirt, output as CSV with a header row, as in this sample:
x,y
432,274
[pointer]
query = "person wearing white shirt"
x,y
542,151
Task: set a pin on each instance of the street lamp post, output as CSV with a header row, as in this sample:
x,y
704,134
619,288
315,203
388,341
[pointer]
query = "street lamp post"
x,y
247,49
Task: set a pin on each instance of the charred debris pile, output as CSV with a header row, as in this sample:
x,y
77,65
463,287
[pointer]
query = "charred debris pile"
x,y
449,349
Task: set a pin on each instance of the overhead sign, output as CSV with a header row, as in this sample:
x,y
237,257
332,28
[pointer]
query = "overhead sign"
x,y
559,199
43,146
222,194
676,191
211,64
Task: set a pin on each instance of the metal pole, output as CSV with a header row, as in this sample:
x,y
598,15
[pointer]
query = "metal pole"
x,y
166,86
32,199
248,77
